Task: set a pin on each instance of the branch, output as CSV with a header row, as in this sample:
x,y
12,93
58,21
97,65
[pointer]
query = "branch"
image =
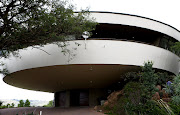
x,y
41,50
9,6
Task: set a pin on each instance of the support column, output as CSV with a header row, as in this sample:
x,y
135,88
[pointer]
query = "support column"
x,y
95,96
67,103
62,99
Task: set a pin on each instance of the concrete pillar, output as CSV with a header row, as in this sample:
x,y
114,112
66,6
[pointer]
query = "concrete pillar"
x,y
67,103
62,99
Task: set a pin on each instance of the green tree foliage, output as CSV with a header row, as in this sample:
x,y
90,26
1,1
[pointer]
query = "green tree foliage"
x,y
132,102
138,93
21,103
27,103
12,105
176,93
1,103
8,105
50,104
148,81
176,48
163,78
24,104
26,23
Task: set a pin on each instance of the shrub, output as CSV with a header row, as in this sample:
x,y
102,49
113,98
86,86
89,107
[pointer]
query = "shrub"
x,y
131,102
148,81
176,90
138,94
175,108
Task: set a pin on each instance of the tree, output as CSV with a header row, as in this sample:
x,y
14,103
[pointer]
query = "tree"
x,y
27,103
50,104
148,81
21,103
12,105
26,23
176,48
176,90
1,103
8,105
13,15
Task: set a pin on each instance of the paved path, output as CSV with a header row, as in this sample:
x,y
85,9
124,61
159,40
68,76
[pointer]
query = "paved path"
x,y
50,111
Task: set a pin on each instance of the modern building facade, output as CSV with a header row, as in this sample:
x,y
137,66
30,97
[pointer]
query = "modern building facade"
x,y
82,75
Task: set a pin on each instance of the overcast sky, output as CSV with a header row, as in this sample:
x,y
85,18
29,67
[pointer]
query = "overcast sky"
x,y
167,11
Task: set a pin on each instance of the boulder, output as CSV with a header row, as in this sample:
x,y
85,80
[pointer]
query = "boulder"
x,y
158,87
96,107
106,103
156,96
165,95
112,99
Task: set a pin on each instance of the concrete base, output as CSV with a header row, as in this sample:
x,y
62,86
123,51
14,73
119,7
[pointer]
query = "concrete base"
x,y
85,97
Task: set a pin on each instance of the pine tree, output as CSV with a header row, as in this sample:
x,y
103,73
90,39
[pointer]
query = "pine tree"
x,y
148,80
27,103
21,103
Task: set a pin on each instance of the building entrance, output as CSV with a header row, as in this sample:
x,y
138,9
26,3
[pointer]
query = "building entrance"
x,y
79,98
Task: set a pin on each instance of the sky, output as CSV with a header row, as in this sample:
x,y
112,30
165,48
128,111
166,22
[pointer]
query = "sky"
x,y
167,11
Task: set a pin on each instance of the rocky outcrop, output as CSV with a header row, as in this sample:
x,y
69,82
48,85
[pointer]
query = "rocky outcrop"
x,y
112,99
164,96
156,96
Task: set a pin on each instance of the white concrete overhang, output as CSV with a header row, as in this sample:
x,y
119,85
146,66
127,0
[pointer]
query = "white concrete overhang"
x,y
100,61
137,21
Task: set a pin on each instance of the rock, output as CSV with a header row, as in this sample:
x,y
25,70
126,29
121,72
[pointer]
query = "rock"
x,y
158,87
112,99
165,95
156,96
100,110
96,107
106,103
114,96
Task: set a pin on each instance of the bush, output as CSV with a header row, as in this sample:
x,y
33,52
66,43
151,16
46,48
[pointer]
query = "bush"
x,y
176,90
131,102
138,94
175,108
50,104
148,81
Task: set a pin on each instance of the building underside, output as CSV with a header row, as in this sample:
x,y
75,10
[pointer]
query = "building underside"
x,y
84,74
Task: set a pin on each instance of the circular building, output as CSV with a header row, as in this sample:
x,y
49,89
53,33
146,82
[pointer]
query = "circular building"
x,y
81,73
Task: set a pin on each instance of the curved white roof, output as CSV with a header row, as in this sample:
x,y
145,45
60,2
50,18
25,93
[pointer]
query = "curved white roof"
x,y
137,21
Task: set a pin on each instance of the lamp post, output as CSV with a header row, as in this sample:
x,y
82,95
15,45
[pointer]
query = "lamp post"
x,y
85,35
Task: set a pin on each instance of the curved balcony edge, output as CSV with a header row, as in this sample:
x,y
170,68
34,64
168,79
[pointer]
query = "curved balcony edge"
x,y
95,52
137,21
